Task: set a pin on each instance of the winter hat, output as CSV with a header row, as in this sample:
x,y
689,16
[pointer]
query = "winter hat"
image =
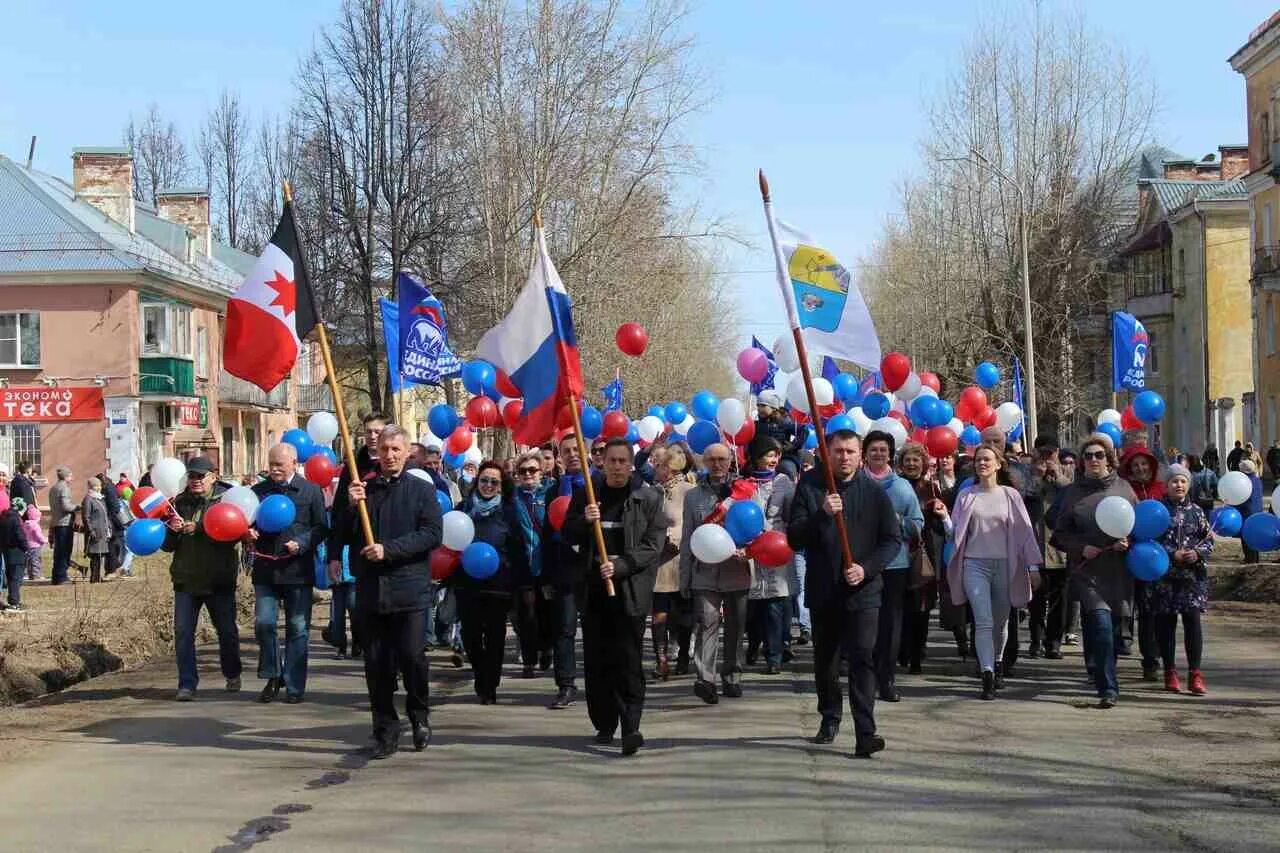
x,y
1176,470
19,505
770,398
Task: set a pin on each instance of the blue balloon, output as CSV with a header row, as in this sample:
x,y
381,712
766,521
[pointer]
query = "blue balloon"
x,y
676,437
923,410
704,405
1261,532
658,412
943,413
676,412
275,513
592,422
986,375
633,433
454,460
1148,561
948,548
811,439
144,536
445,501
476,375
1112,432
480,560
846,388
1151,520
442,420
702,435
966,483
744,521
1226,521
1148,407
301,442
970,437
875,405
840,422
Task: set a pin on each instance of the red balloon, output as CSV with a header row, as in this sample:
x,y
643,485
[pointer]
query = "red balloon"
x,y
941,441
444,563
770,549
973,401
320,469
511,413
632,339
901,417
741,452
931,380
799,417
482,412
460,440
918,435
894,370
616,425
153,508
225,522
557,510
1128,420
832,409
505,386
985,418
744,435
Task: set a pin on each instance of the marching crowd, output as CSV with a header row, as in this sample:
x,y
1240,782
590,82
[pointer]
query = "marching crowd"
x,y
990,540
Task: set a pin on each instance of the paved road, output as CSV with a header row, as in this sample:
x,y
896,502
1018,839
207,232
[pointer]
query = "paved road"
x,y
114,764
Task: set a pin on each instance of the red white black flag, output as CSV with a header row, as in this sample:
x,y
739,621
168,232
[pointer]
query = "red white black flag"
x,y
271,312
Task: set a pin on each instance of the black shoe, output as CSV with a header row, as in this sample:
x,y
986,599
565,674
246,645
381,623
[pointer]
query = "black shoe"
x,y
293,699
544,661
356,652
385,748
456,660
682,666
827,731
270,691
421,735
1150,672
1033,652
988,686
732,691
890,694
604,738
631,743
1108,701
915,668
788,656
528,671
804,637
753,655
564,698
868,746
341,655
1052,654
1000,674
1126,649
706,691
773,669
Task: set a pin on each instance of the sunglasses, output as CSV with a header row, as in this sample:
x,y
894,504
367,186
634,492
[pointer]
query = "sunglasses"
x,y
596,451
489,481
529,472
1094,454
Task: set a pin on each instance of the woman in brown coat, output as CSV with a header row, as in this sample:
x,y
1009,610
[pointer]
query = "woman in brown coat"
x,y
672,466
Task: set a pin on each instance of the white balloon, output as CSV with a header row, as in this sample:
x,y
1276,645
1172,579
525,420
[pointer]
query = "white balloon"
x,y
799,399
421,475
169,475
473,454
1109,416
893,427
711,543
731,415
927,391
245,499
323,428
1008,416
459,530
1114,516
784,352
649,427
910,388
431,440
686,425
956,425
861,423
1234,488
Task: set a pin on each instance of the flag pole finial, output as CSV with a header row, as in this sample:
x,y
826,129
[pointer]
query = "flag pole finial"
x,y
537,219
288,192
764,185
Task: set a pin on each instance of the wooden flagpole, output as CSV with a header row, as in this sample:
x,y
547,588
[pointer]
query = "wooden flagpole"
x,y
814,415
322,338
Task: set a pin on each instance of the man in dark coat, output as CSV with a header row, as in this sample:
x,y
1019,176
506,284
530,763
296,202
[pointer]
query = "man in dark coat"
x,y
635,530
284,568
844,601
559,574
393,578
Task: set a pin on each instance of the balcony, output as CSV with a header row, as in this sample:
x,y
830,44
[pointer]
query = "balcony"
x,y
314,397
166,376
233,391
1266,261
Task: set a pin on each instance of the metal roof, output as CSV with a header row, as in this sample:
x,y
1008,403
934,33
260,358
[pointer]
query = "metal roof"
x,y
1174,194
45,228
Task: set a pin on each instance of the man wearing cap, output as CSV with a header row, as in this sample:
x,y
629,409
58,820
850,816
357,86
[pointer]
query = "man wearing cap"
x,y
204,574
284,569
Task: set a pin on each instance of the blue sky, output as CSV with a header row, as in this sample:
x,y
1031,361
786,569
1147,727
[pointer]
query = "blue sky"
x,y
825,96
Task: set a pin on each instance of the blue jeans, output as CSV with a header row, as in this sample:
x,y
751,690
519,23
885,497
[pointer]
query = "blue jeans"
x,y
775,614
15,569
222,613
297,615
799,607
1101,641
430,627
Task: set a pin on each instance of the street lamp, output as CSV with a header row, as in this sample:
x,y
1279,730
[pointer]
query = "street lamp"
x,y
1029,411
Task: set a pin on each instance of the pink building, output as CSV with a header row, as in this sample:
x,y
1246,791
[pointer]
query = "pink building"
x,y
111,317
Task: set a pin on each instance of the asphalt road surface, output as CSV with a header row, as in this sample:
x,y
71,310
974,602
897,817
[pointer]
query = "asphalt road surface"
x,y
115,764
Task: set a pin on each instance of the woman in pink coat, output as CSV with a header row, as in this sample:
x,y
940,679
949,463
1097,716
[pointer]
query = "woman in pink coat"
x,y
996,559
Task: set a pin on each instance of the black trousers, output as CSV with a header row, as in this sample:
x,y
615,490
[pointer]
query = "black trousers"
x,y
1049,610
837,630
1146,623
612,663
484,636
564,607
393,639
889,630
1166,625
1010,654
524,618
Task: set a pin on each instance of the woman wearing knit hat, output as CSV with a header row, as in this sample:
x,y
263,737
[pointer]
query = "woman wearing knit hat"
x,y
769,600
1184,589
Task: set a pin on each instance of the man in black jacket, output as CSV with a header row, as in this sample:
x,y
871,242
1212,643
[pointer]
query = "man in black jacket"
x,y
559,574
284,568
393,577
844,601
635,524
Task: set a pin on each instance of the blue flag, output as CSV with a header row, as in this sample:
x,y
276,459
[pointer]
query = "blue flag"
x,y
612,396
1016,432
1129,342
391,340
423,343
767,382
829,368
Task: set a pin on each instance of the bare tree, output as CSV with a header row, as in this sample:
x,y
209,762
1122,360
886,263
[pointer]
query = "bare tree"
x,y
224,151
159,155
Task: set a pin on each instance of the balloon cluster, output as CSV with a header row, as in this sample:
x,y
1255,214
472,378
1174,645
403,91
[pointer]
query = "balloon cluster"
x,y
741,527
1146,408
1146,522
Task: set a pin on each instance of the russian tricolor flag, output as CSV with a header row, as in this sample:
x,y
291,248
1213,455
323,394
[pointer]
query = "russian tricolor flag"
x,y
536,347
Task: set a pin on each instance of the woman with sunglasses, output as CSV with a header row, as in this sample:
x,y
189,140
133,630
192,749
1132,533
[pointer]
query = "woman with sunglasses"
x,y
1096,573
531,615
483,604
672,613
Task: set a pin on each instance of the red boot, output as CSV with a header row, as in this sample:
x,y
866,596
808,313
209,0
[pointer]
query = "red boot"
x,y
1171,681
1197,685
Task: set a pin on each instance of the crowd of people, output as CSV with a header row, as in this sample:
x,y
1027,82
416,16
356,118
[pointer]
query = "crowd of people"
x,y
990,540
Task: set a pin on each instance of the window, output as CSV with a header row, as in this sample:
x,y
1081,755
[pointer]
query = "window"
x,y
202,352
250,450
20,339
1264,126
1266,227
1153,351
1182,271
1271,327
166,329
20,443
228,449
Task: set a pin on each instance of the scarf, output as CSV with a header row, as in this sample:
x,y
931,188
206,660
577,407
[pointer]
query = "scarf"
x,y
482,507
531,509
878,477
763,476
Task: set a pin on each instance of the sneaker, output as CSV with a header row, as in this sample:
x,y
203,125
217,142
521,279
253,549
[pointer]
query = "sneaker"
x,y
17,608
773,669
804,637
1197,685
732,691
1071,640
456,660
233,685
566,697
1052,654
185,694
1108,701
1150,672
788,656
1171,681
